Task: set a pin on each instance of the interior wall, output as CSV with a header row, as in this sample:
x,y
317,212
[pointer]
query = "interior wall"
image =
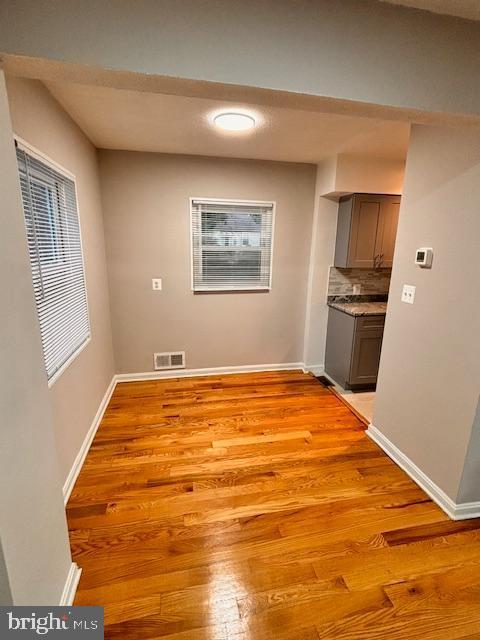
x,y
147,224
363,52
322,250
353,173
76,395
469,490
33,528
356,174
429,376
5,592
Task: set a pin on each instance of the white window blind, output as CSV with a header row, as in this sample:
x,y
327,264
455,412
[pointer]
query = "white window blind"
x,y
231,245
55,250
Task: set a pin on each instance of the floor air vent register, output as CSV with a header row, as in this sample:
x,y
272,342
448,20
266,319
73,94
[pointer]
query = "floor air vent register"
x,y
169,360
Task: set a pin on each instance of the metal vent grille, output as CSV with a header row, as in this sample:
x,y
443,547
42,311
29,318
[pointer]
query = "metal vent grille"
x,y
169,360
176,360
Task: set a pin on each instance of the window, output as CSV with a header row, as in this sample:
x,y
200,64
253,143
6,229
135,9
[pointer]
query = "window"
x,y
55,250
231,245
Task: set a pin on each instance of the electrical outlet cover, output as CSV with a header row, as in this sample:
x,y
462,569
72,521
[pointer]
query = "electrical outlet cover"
x,y
408,293
157,284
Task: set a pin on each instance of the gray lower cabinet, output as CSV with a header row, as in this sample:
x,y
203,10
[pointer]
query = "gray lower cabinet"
x,y
354,344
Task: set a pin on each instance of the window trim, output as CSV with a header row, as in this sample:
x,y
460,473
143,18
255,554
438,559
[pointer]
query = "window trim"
x,y
230,202
42,157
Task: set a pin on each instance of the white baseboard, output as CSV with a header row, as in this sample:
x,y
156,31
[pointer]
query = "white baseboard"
x,y
316,369
71,585
211,371
467,510
79,460
454,510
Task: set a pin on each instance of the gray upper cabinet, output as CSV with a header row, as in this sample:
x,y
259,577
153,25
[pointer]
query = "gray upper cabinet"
x,y
366,230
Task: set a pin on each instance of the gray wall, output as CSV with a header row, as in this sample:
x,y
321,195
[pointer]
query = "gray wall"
x,y
5,593
147,229
429,377
356,50
469,490
33,529
76,395
322,251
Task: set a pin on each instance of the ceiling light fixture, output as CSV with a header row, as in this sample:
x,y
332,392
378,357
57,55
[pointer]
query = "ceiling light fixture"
x,y
233,121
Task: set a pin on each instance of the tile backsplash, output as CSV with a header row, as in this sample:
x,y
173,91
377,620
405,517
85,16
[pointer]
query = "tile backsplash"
x,y
372,281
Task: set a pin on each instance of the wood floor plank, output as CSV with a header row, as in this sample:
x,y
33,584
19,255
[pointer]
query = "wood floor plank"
x,y
273,437
452,586
424,532
392,564
253,507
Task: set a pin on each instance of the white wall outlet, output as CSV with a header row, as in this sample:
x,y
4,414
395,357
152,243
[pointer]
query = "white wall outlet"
x,y
408,293
357,289
157,284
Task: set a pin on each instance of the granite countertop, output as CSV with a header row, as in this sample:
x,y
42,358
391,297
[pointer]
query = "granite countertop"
x,y
360,308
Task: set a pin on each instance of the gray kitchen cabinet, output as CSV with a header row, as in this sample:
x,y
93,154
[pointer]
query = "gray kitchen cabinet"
x,y
354,344
366,230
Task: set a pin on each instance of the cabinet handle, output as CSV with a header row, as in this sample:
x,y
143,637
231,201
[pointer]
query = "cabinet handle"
x,y
375,258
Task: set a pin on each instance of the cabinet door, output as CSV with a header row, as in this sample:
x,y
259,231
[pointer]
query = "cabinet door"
x,y
387,231
338,355
344,225
363,232
366,356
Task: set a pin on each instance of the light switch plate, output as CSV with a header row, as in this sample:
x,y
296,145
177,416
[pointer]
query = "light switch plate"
x,y
408,293
157,284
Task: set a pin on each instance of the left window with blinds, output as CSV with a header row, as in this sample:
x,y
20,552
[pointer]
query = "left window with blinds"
x,y
56,258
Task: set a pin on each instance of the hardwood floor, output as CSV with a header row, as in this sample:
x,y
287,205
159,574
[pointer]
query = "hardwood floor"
x,y
253,507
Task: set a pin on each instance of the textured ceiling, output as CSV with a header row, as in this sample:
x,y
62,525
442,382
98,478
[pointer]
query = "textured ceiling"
x,y
469,9
141,121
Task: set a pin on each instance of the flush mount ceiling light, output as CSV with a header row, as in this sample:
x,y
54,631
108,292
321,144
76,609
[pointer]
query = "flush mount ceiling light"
x,y
233,121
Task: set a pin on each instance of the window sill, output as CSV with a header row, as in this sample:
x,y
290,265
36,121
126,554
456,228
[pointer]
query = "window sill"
x,y
235,290
68,362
